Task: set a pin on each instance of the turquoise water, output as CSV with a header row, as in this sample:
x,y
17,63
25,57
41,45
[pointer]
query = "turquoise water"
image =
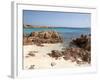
x,y
61,30
67,33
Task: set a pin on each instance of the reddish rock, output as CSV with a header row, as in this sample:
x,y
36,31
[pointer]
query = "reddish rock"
x,y
77,55
43,37
55,54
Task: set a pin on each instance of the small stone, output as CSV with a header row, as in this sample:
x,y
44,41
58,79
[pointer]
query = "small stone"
x,y
26,56
35,51
31,53
32,67
53,64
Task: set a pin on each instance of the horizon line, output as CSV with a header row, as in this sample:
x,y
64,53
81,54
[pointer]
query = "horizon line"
x,y
57,26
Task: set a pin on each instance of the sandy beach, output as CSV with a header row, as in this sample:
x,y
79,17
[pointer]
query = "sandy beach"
x,y
53,40
36,57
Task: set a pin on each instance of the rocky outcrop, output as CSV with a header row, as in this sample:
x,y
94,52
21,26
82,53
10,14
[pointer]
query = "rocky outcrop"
x,y
27,40
77,55
83,41
43,37
46,34
55,54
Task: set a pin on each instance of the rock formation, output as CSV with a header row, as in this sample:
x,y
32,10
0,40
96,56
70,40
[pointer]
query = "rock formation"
x,y
83,41
79,54
55,54
43,37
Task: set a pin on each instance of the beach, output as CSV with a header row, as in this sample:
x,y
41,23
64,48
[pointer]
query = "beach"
x,y
36,57
53,40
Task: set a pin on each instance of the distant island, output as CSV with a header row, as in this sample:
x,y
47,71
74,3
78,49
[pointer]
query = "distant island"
x,y
37,26
31,26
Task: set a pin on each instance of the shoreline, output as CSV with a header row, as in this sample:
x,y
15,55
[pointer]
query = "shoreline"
x,y
41,59
47,50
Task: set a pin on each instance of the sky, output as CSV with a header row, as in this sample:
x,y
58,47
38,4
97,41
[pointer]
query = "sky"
x,y
57,19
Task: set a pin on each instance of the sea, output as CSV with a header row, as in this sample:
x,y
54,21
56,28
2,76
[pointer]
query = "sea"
x,y
66,33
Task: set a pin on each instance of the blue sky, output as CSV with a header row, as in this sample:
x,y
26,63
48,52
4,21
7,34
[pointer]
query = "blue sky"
x,y
59,19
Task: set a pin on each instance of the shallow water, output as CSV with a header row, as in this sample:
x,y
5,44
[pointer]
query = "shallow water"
x,y
66,33
58,29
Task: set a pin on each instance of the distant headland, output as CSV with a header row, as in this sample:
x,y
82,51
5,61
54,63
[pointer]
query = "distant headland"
x,y
46,26
34,26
